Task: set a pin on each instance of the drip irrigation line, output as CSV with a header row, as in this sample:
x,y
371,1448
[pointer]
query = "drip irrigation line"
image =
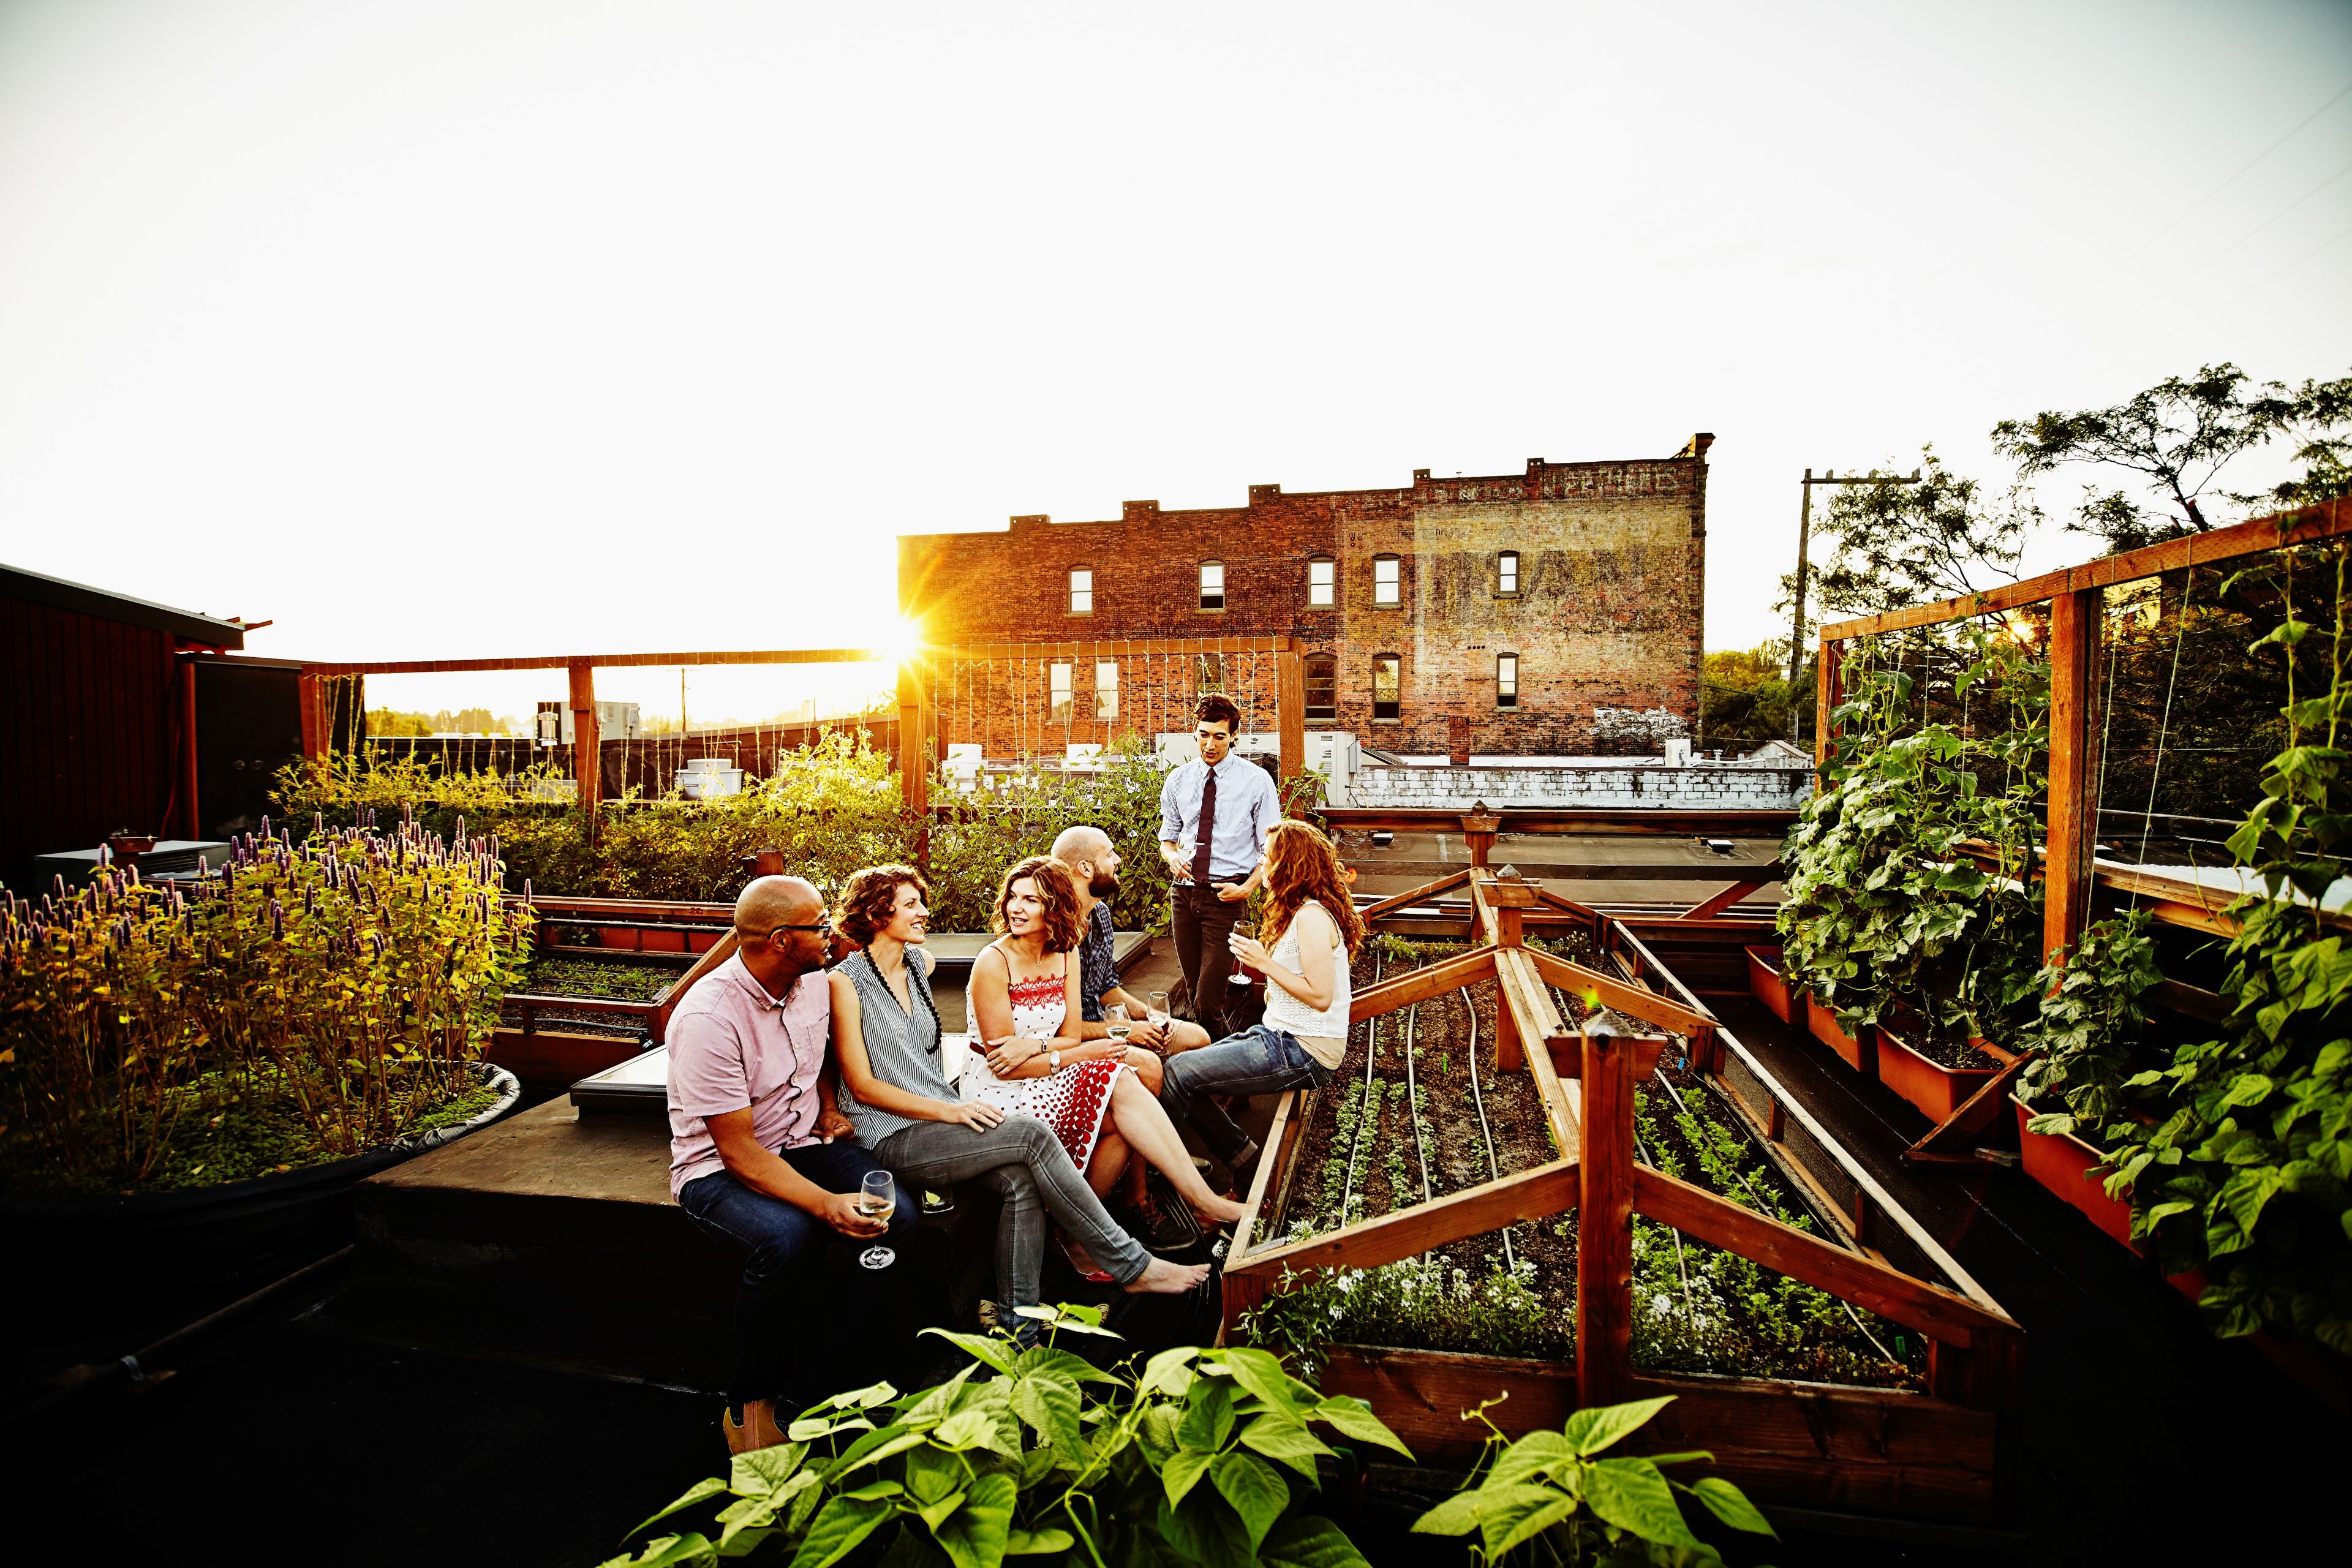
x,y
1494,1167
1355,1141
1413,1104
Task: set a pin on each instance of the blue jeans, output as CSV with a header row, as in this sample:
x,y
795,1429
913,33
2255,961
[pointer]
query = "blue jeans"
x,y
1260,1060
846,1315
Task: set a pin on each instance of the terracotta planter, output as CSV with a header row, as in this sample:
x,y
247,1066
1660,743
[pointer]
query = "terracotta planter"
x,y
1772,987
1937,1091
2064,1162
1859,1054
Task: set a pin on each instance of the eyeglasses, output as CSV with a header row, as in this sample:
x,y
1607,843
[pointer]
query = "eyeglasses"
x,y
824,926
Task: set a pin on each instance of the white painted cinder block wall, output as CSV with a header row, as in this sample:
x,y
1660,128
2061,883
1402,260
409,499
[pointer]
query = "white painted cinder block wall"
x,y
1636,785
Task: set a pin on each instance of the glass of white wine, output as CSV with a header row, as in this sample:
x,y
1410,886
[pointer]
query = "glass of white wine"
x,y
1114,1019
876,1195
1155,1008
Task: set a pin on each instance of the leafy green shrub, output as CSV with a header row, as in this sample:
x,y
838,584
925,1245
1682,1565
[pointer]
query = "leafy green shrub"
x,y
831,807
1549,1491
341,987
1050,1459
1886,906
2088,1029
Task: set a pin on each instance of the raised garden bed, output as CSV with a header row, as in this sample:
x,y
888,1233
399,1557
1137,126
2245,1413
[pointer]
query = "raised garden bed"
x,y
1859,1052
2067,1166
1769,986
1450,1212
1937,1076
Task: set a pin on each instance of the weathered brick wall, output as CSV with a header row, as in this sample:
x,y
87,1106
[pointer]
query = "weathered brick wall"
x,y
1704,788
1609,612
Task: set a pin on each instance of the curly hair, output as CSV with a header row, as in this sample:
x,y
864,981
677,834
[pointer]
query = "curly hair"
x,y
867,897
1301,864
1060,892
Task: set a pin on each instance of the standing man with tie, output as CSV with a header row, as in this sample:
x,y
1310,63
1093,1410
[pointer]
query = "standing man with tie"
x,y
1215,814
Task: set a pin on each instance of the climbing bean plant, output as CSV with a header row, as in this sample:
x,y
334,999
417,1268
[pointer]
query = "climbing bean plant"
x,y
1910,869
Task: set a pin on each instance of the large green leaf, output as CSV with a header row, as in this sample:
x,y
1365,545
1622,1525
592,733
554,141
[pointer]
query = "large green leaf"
x,y
708,1487
762,1471
1170,1371
1543,1453
667,1551
995,1352
1632,1495
1045,1358
1589,1431
1206,1530
1730,1504
975,1537
1262,1375
1207,1414
1049,1402
1281,1438
1354,1418
838,1527
1506,1531
1309,1542
933,1472
1033,1542
1254,1488
1182,1472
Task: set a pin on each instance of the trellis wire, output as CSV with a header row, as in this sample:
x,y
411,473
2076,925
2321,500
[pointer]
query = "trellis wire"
x,y
2164,726
1371,1054
1494,1167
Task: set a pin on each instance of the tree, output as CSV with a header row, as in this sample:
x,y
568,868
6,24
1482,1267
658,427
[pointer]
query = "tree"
x,y
1893,545
1744,695
2179,436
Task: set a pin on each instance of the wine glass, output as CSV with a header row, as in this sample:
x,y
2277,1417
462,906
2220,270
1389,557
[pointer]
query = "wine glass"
x,y
1114,1019
1155,1008
876,1195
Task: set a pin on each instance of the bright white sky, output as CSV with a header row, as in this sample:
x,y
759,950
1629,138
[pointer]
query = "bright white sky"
x,y
441,330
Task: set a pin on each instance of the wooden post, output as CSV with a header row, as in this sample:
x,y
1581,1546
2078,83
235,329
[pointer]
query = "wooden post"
x,y
1830,691
1479,827
188,748
587,740
1509,898
1604,1224
2073,822
1290,711
311,700
915,759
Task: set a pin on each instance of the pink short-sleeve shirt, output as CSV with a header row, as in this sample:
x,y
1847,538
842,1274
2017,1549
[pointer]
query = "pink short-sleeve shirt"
x,y
732,1046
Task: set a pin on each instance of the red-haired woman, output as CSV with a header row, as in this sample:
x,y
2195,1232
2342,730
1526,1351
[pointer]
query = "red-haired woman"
x,y
1022,993
1310,931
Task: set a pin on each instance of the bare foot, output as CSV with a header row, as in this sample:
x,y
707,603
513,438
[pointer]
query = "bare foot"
x,y
1162,1278
1219,1211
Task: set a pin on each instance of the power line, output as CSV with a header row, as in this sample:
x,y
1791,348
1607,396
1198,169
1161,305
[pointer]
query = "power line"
x,y
2198,205
2241,240
2341,235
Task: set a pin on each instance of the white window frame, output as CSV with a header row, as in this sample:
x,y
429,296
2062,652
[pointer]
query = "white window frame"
x,y
1322,584
1082,590
1107,688
1057,693
1506,680
1507,574
1387,581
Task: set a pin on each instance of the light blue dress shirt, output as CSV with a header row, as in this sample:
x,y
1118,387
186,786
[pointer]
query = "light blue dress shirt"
x,y
1247,809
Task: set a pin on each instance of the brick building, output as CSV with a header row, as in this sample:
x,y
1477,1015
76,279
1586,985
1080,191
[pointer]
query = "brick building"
x,y
1557,611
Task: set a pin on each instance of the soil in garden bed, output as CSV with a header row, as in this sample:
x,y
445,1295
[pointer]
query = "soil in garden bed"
x,y
1958,1055
1697,1308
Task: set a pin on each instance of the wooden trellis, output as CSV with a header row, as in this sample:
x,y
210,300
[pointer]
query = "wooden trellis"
x,y
1585,1083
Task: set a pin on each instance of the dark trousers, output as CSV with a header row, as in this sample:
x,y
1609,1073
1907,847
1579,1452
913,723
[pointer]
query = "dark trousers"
x,y
1261,1060
1203,922
805,1287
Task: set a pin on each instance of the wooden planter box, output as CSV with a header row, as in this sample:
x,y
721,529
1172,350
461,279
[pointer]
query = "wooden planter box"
x,y
1888,1452
1937,1091
1861,1054
1772,987
2064,1162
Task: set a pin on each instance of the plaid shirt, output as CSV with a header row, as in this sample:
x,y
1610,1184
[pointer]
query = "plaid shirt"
x,y
1098,971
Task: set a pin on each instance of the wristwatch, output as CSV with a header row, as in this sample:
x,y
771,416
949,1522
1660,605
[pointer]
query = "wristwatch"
x,y
1053,1061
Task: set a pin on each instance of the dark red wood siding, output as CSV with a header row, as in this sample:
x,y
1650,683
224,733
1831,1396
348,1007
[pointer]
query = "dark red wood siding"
x,y
90,733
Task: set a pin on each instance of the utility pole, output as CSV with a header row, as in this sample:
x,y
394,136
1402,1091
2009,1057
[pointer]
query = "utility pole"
x,y
1804,540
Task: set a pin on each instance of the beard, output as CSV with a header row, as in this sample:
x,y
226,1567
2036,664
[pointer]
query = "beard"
x,y
1104,884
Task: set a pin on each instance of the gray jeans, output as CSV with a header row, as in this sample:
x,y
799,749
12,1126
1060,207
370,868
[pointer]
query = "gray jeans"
x,y
1022,1159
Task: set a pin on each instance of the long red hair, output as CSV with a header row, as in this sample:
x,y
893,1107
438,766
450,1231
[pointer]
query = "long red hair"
x,y
1301,864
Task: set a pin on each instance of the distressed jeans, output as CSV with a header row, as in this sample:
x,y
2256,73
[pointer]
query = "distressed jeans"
x,y
1261,1060
1022,1159
804,1287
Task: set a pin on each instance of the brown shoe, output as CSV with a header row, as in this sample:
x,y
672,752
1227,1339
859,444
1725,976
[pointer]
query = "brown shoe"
x,y
758,1429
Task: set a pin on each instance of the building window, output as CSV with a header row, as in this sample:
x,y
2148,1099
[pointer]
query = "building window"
x,y
1507,574
1322,687
1387,580
1388,674
1058,685
1322,584
1106,689
1082,590
1210,674
1212,584
1506,680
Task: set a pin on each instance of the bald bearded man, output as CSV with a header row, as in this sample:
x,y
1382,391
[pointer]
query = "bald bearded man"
x,y
1094,864
761,1158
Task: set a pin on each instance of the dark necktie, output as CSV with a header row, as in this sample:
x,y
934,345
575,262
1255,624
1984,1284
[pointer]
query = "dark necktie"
x,y
1208,828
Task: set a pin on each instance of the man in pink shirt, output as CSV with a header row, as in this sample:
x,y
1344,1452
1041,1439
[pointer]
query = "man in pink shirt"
x,y
762,1161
